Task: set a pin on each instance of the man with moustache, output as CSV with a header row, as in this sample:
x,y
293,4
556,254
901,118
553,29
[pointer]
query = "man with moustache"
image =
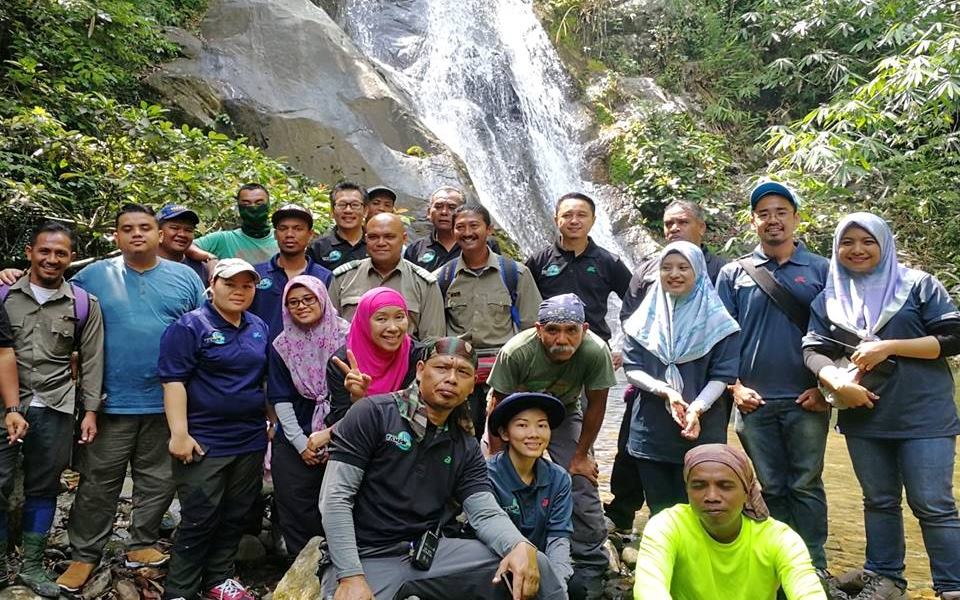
x,y
140,295
397,461
563,358
58,337
293,228
177,227
683,220
487,297
385,267
440,247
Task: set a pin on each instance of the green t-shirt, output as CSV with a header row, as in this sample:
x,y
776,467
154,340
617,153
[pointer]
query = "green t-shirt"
x,y
236,244
523,365
679,560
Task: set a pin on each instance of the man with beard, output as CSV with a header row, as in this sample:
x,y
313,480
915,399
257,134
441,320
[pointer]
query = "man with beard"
x,y
58,336
563,358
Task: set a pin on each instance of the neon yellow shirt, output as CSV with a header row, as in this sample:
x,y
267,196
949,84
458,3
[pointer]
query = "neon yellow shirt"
x,y
679,560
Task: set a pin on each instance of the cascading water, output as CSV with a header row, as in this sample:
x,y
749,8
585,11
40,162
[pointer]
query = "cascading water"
x,y
486,80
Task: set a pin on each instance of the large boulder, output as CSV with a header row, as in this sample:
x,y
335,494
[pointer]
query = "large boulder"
x,y
300,581
283,74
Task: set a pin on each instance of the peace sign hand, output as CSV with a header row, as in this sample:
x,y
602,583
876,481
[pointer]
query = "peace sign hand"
x,y
355,381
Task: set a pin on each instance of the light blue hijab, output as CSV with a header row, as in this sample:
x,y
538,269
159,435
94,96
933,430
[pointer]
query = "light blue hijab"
x,y
680,330
862,303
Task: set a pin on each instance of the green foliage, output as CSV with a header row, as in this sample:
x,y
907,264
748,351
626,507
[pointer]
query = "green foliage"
x,y
660,157
77,141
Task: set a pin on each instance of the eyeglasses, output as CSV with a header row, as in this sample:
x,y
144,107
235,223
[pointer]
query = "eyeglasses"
x,y
348,205
305,301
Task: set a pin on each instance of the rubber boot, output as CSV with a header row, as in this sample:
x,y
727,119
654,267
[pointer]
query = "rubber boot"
x,y
32,573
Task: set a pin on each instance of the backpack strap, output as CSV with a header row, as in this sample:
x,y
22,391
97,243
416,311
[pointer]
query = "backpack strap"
x,y
81,312
446,278
4,290
798,314
510,274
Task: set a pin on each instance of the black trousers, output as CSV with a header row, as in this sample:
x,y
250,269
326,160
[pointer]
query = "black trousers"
x,y
216,494
625,484
296,493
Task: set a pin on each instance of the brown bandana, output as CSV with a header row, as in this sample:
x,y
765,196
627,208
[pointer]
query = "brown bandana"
x,y
452,346
739,463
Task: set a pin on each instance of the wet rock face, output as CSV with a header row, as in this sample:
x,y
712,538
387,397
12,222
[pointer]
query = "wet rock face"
x,y
283,74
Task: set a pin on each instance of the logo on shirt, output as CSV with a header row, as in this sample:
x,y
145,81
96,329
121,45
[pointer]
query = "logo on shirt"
x,y
257,335
545,502
799,279
217,338
513,508
333,256
265,283
427,256
592,269
552,271
447,459
401,440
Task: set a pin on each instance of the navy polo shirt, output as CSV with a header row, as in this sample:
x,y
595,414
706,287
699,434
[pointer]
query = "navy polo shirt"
x,y
541,510
406,482
431,255
653,433
916,401
331,250
649,272
223,368
268,302
771,357
591,276
199,268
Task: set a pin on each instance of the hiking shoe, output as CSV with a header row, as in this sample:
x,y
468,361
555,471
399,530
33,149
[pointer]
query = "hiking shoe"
x,y
75,576
831,585
881,587
146,557
231,589
852,581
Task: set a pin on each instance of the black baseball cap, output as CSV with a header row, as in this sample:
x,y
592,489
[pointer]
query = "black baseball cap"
x,y
381,190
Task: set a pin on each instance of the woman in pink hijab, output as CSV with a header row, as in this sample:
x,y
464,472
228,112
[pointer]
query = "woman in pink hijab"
x,y
379,356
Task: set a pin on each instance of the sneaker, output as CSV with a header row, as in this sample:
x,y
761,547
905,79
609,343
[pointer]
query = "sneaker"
x,y
880,587
231,589
75,576
146,557
852,581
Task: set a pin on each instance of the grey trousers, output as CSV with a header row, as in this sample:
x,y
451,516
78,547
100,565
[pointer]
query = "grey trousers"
x,y
461,569
140,441
589,530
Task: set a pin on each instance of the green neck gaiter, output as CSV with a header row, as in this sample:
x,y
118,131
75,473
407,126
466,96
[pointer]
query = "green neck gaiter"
x,y
254,221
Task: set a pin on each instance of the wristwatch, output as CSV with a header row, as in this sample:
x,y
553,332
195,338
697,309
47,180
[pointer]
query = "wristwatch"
x,y
12,409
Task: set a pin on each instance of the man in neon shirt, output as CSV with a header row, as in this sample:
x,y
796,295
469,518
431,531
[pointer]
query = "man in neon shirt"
x,y
724,543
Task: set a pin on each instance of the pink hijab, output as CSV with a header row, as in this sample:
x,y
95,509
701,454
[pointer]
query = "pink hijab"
x,y
305,351
387,369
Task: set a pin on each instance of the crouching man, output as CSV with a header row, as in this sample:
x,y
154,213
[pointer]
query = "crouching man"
x,y
397,463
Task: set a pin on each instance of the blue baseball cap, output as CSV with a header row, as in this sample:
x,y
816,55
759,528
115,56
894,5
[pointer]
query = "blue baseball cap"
x,y
518,402
174,211
768,188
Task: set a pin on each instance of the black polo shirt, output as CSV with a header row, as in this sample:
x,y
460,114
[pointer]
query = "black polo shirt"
x,y
431,255
331,250
407,481
647,274
591,276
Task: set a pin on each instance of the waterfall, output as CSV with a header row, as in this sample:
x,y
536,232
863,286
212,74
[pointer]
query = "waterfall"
x,y
485,78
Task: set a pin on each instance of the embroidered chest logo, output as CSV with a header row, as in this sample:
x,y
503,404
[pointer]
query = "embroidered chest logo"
x,y
545,503
552,271
799,279
428,256
513,509
447,460
401,440
592,269
334,255
265,284
257,335
217,338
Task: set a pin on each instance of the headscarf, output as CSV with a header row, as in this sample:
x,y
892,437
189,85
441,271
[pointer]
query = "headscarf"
x,y
305,351
862,303
565,308
387,369
735,458
679,330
